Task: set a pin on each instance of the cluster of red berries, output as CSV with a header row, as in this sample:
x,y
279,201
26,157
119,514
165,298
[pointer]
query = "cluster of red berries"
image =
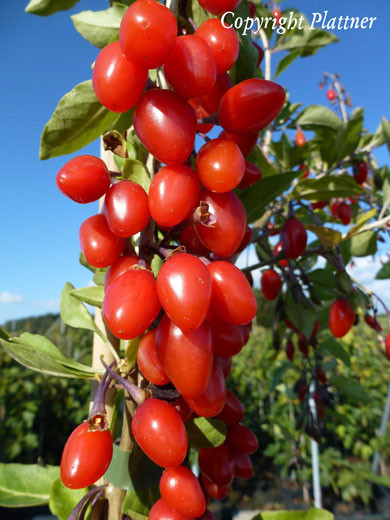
x,y
196,314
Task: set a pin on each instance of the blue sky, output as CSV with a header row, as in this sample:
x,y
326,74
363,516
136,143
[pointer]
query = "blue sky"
x,y
43,58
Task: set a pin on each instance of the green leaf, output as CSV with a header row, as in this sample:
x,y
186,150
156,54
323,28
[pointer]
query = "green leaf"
x,y
301,316
73,312
350,388
256,198
257,157
38,353
278,374
363,244
326,188
46,7
318,116
311,514
78,119
199,15
205,433
138,504
156,264
307,40
26,485
100,27
328,237
92,295
63,500
286,62
385,127
245,66
84,263
137,172
334,348
361,221
384,272
99,276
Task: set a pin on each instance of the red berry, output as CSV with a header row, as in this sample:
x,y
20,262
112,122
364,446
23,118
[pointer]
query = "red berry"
x,y
117,82
181,490
300,139
211,402
250,106
341,211
246,143
84,179
160,432
243,466
341,318
126,208
225,237
173,194
330,94
252,9
184,410
319,205
277,250
225,364
217,464
80,467
219,6
187,357
303,346
162,511
306,171
232,297
149,362
200,112
293,238
233,411
190,67
321,375
277,15
360,172
373,323
387,345
241,439
228,339
147,33
162,117
130,304
290,350
189,238
252,174
99,245
119,267
220,165
222,41
210,100
212,489
271,284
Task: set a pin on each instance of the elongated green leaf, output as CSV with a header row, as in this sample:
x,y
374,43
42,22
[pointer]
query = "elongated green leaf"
x,y
245,66
385,127
328,237
317,116
73,312
38,353
257,157
311,514
334,348
350,388
92,295
199,15
361,221
63,500
384,272
205,433
137,172
26,485
326,188
78,119
301,316
256,198
138,504
46,7
286,62
364,244
99,27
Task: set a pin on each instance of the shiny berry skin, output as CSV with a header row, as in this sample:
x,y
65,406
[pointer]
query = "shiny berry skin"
x,y
241,439
219,6
210,100
277,15
162,117
225,364
360,172
217,464
220,165
330,94
126,208
252,174
341,318
321,204
373,323
342,211
80,467
250,106
228,339
243,466
84,179
212,489
271,284
200,112
118,83
232,297
173,194
277,250
97,242
387,345
222,41
233,411
184,410
246,240
147,33
184,290
181,490
290,350
187,357
190,240
303,346
293,238
148,360
190,67
260,53
120,266
246,143
130,304
160,433
225,237
300,139
211,402
162,511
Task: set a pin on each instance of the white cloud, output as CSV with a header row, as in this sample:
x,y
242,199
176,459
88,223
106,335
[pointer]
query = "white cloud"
x,y
7,297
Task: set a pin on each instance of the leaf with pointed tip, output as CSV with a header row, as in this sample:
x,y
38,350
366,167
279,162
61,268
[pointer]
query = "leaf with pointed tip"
x,y
92,295
47,7
100,27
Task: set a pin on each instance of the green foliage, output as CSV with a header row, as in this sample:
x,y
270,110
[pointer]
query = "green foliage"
x,y
205,433
311,514
63,500
46,7
100,27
